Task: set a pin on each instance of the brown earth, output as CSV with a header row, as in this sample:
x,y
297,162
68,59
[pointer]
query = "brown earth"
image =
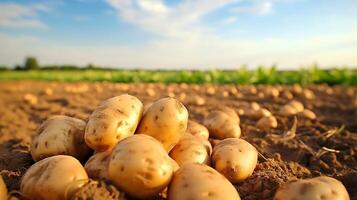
x,y
25,104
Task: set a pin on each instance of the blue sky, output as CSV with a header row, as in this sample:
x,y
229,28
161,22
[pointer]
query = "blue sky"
x,y
171,34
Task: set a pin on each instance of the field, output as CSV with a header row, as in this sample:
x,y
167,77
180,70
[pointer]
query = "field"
x,y
262,75
325,146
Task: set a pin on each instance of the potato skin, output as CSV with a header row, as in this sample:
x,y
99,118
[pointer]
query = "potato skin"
x,y
114,119
52,177
60,135
234,158
97,165
165,120
3,189
222,126
318,188
200,182
190,150
197,129
140,166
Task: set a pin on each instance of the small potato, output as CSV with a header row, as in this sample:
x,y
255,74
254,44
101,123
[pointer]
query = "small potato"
x,y
200,182
166,120
60,135
318,188
197,129
308,114
190,150
53,177
97,165
235,159
3,189
114,120
266,123
308,94
287,110
140,166
299,107
231,112
221,125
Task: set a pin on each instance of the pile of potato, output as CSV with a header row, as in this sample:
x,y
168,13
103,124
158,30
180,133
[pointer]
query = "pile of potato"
x,y
149,151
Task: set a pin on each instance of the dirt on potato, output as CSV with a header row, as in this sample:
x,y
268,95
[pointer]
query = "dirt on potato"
x,y
325,146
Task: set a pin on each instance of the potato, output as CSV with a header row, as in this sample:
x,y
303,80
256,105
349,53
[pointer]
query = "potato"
x,y
60,135
166,120
221,125
307,114
207,144
197,129
299,107
265,123
318,188
231,112
200,182
97,165
140,166
287,110
235,159
3,189
190,150
114,120
53,178
146,107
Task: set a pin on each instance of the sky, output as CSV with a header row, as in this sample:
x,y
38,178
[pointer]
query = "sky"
x,y
180,34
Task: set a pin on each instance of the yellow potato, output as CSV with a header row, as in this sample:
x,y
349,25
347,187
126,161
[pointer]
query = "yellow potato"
x,y
318,188
114,120
231,112
266,123
200,182
221,125
53,177
60,135
140,166
235,159
299,107
197,129
287,110
165,120
307,114
190,150
97,165
3,189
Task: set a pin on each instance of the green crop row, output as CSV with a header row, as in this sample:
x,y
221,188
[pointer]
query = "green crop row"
x,y
344,76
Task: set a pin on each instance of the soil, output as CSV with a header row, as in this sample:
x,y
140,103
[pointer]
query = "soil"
x,y
317,149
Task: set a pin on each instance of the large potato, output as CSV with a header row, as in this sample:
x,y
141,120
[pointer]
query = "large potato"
x,y
200,182
221,125
97,165
140,166
3,189
197,129
53,177
165,120
235,159
318,188
114,120
190,150
60,135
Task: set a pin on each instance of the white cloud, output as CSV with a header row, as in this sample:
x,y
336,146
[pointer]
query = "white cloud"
x,y
214,52
14,15
258,7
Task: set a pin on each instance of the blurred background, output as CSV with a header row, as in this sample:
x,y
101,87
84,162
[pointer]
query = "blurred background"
x,y
179,35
